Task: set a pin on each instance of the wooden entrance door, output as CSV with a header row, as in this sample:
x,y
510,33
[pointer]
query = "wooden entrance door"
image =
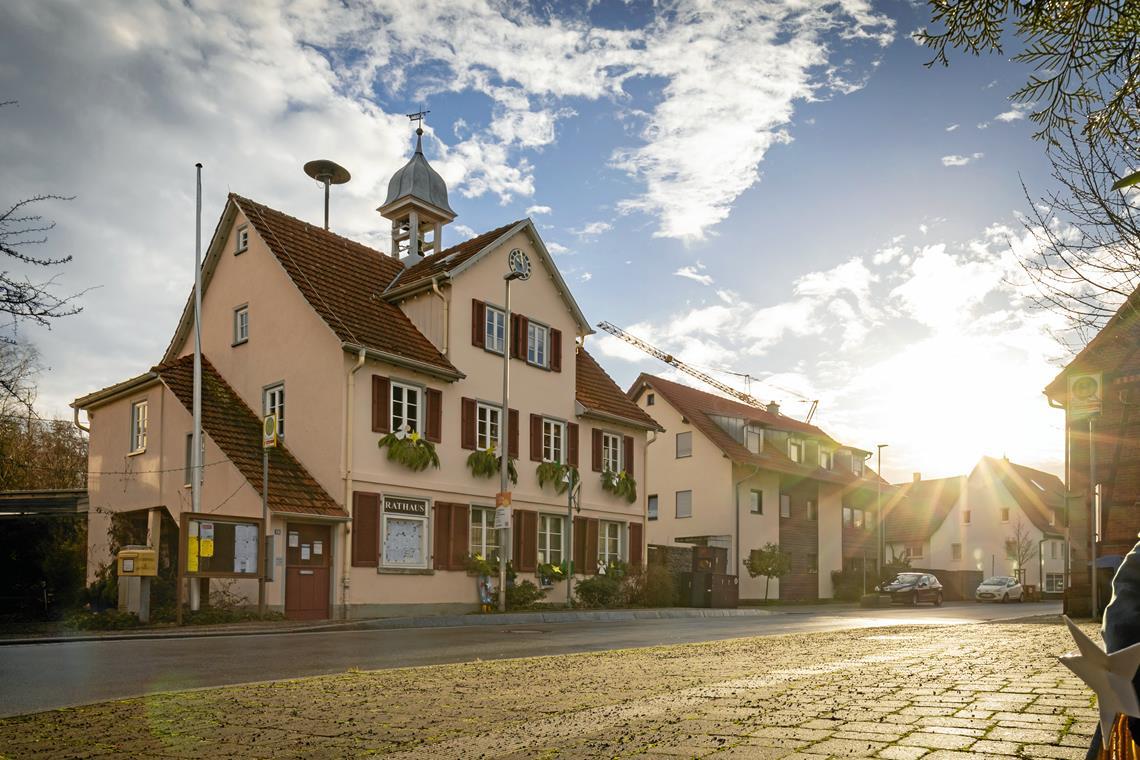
x,y
307,552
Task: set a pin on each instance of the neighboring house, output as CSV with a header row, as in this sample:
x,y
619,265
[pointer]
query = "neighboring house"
x,y
346,344
1001,519
1102,383
730,475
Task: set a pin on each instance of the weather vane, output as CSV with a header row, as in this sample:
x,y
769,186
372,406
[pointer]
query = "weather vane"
x,y
418,117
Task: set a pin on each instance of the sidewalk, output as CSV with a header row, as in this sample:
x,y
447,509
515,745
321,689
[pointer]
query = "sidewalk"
x,y
259,628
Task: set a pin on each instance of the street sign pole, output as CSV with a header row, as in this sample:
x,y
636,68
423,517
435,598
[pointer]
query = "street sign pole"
x,y
268,441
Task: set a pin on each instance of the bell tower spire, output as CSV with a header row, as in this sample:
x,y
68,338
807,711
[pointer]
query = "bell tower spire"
x,y
416,205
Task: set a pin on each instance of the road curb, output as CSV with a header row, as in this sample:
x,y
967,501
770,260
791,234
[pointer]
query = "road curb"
x,y
437,621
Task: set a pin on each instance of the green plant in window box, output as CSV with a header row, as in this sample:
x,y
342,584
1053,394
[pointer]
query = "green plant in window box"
x,y
620,484
549,573
477,564
485,464
554,472
411,450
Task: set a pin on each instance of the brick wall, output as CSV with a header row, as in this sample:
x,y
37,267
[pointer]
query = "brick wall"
x,y
799,537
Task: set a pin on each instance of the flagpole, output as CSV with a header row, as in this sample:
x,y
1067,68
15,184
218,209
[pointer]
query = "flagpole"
x,y
196,442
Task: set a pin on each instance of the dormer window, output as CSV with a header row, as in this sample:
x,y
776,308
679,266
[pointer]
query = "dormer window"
x,y
795,450
856,465
754,438
242,239
826,459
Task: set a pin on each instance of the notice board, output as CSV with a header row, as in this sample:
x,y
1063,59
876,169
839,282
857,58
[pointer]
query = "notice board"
x,y
221,546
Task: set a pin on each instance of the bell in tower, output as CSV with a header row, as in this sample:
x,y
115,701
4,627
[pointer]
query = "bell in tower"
x,y
417,206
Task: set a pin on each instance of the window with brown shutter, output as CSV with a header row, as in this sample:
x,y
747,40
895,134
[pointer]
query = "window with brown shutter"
x,y
572,444
467,423
627,454
524,529
365,529
536,438
513,433
635,544
591,546
478,323
596,450
555,350
580,546
434,399
518,336
453,524
381,420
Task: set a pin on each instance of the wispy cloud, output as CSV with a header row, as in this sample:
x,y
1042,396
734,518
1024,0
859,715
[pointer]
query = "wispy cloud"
x,y
694,273
951,128
961,160
556,248
592,229
536,210
1016,113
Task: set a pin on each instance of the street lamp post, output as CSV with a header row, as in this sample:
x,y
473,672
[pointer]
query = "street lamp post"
x,y
879,506
504,434
573,483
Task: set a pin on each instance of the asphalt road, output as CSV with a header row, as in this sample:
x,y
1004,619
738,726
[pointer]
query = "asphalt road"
x,y
40,677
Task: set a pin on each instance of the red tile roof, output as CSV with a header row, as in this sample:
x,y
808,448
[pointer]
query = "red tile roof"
x,y
696,405
237,431
1113,347
597,391
342,281
447,259
918,509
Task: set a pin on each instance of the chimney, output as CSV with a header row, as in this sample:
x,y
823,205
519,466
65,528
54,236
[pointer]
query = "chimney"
x,y
917,476
773,407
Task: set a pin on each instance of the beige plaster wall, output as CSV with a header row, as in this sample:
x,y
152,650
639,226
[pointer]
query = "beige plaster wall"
x,y
755,530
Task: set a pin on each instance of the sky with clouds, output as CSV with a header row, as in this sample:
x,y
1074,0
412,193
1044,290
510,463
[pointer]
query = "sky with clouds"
x,y
774,187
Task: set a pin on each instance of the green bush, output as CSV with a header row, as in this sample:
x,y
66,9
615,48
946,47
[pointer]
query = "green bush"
x,y
109,620
660,587
848,585
524,595
599,591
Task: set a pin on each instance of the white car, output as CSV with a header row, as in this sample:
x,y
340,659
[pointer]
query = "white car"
x,y
1000,588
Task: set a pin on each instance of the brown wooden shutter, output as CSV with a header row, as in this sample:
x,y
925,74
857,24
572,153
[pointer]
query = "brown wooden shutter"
x,y
434,432
528,561
518,336
572,444
513,433
478,323
579,553
456,557
513,337
365,529
627,454
467,423
381,394
635,544
596,450
591,546
536,438
555,350
441,535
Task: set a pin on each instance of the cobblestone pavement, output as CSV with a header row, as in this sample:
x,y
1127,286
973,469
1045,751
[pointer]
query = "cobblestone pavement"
x,y
937,693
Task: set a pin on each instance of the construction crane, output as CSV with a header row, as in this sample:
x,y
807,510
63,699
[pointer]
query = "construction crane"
x,y
673,361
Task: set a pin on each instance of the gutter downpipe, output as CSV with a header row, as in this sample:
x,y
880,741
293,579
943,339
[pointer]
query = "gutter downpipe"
x,y
350,397
645,495
446,308
75,420
736,497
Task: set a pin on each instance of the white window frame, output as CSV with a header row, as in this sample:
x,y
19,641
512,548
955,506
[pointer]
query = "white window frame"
x,y
1053,549
677,504
609,541
273,402
424,544
398,421
756,505
858,517
856,464
1054,582
553,431
785,505
138,426
488,426
551,542
688,436
652,506
754,433
612,453
826,458
241,239
488,544
796,450
537,344
494,329
915,550
241,329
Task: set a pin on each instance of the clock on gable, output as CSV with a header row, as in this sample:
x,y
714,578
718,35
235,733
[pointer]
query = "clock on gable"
x,y
519,263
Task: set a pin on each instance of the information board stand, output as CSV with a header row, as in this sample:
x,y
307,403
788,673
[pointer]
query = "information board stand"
x,y
219,546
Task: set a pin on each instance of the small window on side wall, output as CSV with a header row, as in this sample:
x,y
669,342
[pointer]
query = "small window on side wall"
x,y
138,426
684,445
652,506
650,399
242,239
756,501
241,325
684,504
785,505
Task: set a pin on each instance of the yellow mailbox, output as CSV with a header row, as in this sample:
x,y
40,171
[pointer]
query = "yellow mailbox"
x,y
137,561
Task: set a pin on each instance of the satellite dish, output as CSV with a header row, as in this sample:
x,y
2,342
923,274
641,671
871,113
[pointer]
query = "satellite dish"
x,y
328,173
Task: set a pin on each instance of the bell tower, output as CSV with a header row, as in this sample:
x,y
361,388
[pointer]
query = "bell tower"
x,y
416,205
